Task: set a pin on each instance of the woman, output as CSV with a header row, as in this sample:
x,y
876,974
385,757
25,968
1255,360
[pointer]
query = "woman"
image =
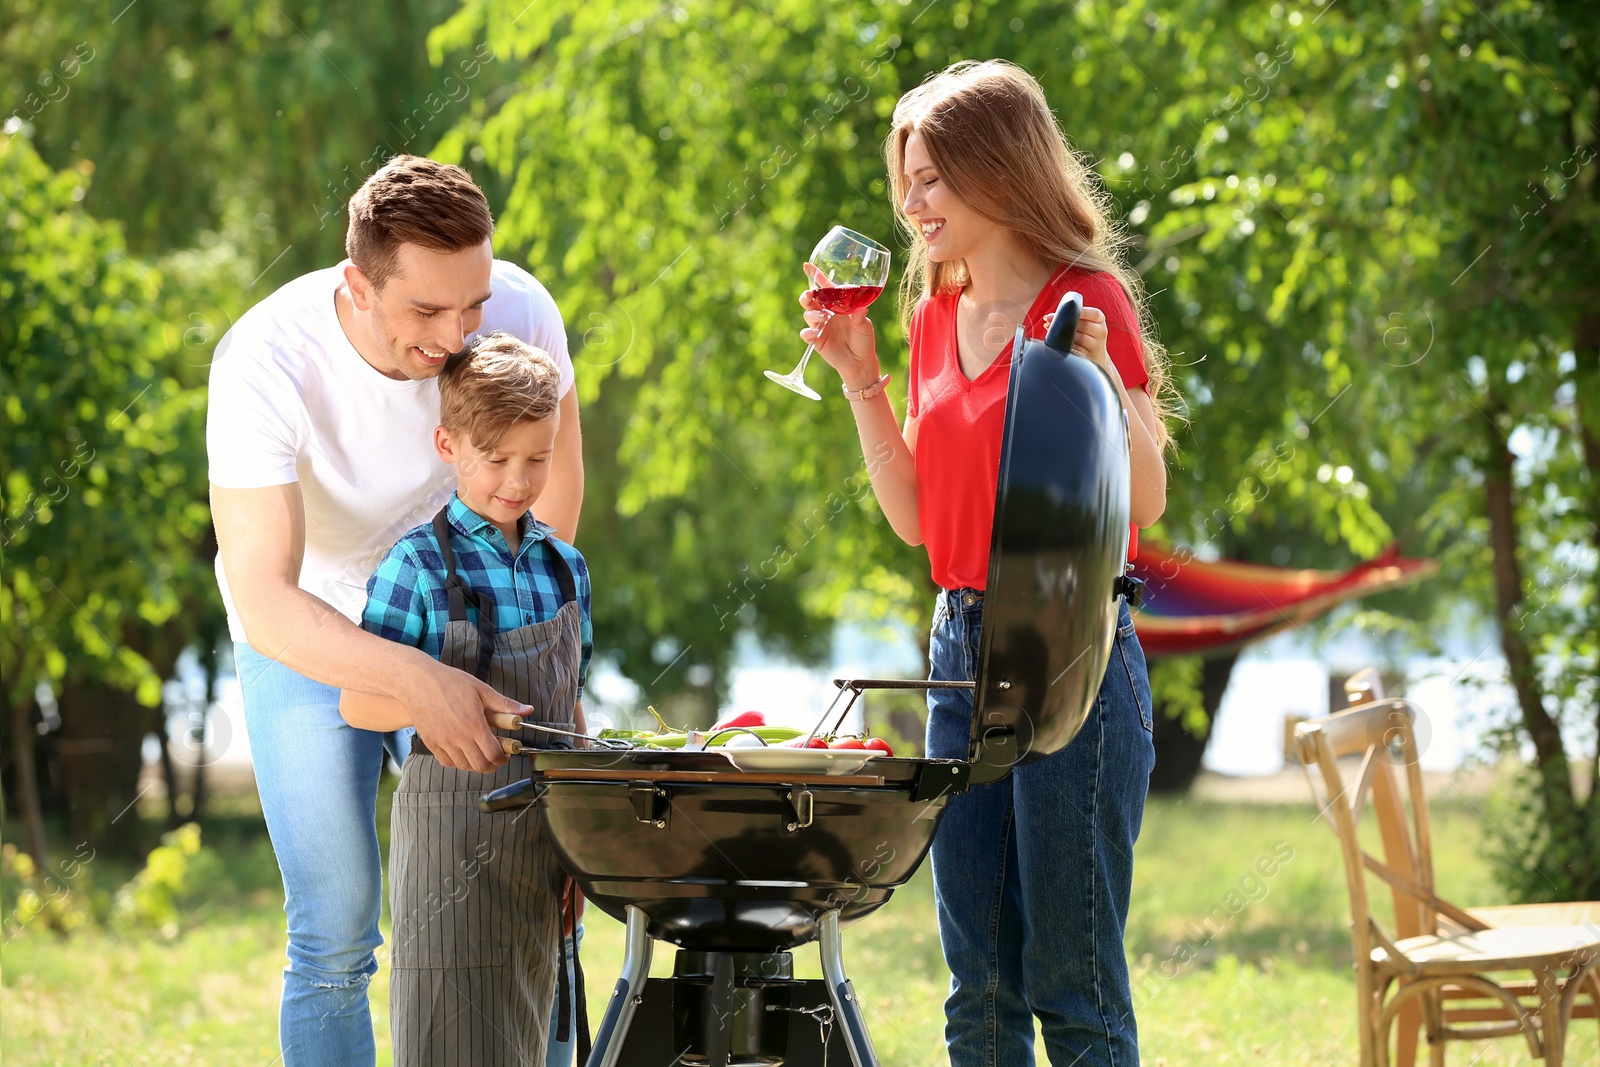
x,y
1032,874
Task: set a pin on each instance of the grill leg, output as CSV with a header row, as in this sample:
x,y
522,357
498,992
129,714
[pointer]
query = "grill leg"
x,y
625,997
845,1005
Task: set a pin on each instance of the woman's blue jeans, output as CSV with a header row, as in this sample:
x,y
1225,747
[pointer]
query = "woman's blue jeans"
x,y
1032,874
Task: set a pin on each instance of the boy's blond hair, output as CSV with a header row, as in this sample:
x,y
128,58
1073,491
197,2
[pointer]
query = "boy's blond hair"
x,y
494,383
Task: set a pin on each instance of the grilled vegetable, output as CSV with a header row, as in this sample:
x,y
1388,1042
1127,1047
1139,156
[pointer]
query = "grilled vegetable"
x,y
614,734
678,739
772,735
744,718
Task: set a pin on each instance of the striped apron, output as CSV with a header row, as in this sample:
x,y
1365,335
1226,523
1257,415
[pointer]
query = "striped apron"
x,y
476,898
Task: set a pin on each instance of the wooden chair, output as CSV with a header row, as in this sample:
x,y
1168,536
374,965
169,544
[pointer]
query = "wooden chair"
x,y
1444,966
1463,1005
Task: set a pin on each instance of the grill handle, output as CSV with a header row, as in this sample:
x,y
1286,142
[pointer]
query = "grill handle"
x,y
860,684
513,797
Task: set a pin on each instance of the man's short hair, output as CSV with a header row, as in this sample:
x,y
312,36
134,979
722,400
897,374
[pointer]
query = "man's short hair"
x,y
413,200
494,383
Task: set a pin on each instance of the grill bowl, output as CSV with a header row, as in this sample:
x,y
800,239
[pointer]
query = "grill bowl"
x,y
726,871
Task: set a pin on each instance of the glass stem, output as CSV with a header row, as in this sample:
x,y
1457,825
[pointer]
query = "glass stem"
x,y
800,371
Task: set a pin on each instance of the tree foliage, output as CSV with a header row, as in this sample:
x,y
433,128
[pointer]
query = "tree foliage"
x,y
104,505
1426,248
1366,227
1309,187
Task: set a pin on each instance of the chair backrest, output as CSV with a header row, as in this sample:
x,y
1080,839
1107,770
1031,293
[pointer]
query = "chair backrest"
x,y
1382,732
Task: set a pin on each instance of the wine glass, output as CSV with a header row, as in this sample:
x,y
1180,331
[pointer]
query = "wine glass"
x,y
853,270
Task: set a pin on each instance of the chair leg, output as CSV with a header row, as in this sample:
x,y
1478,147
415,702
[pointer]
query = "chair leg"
x,y
1372,1034
1407,1025
1551,1039
1594,994
1585,981
1433,1007
1379,1027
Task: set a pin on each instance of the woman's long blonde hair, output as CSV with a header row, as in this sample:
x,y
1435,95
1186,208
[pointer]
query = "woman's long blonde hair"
x,y
996,145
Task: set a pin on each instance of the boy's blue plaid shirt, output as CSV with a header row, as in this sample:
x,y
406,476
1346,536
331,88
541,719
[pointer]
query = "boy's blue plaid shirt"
x,y
406,598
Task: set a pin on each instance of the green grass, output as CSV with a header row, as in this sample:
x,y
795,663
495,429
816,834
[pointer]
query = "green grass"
x,y
1261,976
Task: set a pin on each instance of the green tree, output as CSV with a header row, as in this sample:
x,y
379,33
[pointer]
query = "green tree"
x,y
236,132
1428,231
1380,327
237,121
102,505
728,140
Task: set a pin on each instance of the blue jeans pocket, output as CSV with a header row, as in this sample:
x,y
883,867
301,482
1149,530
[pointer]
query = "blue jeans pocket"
x,y
1133,663
949,710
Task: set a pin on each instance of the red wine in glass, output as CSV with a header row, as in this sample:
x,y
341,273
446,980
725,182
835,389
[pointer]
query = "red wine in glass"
x,y
852,270
846,299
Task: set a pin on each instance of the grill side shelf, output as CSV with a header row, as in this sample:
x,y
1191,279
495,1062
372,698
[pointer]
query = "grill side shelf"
x,y
576,774
859,684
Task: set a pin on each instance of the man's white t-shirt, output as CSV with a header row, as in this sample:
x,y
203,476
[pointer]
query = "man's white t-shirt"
x,y
293,401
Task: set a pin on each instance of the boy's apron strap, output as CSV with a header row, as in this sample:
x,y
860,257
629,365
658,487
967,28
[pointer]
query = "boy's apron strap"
x,y
572,1006
585,1042
563,569
459,591
563,991
453,583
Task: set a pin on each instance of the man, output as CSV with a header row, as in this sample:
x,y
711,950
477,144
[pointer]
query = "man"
x,y
319,433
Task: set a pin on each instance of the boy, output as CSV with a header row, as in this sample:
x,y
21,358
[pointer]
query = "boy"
x,y
484,587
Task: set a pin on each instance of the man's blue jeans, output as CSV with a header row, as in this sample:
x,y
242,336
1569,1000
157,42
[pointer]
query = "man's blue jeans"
x,y
318,780
1032,874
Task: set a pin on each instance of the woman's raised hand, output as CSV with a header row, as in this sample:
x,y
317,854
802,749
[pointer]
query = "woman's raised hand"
x,y
1090,340
847,342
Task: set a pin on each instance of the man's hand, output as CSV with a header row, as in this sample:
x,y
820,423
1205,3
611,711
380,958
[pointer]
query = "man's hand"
x,y
453,711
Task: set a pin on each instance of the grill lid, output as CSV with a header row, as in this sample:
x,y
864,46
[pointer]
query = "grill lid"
x,y
1060,545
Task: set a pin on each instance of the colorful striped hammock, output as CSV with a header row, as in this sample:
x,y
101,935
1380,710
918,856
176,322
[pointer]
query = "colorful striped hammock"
x,y
1193,608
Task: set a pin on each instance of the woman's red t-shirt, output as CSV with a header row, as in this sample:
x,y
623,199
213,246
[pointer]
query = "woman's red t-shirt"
x,y
960,423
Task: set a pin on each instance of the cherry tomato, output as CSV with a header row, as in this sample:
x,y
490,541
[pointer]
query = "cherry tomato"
x,y
879,745
848,742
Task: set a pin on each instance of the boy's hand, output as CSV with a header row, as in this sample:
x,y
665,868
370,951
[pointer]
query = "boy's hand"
x,y
451,711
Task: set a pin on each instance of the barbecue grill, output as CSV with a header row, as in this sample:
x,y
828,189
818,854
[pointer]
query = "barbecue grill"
x,y
738,860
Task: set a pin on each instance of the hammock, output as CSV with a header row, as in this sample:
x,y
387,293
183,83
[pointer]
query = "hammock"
x,y
1192,607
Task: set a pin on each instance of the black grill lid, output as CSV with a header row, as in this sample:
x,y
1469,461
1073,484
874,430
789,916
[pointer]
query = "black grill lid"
x,y
1060,544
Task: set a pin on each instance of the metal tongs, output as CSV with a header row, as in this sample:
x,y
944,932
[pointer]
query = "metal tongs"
x,y
512,747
